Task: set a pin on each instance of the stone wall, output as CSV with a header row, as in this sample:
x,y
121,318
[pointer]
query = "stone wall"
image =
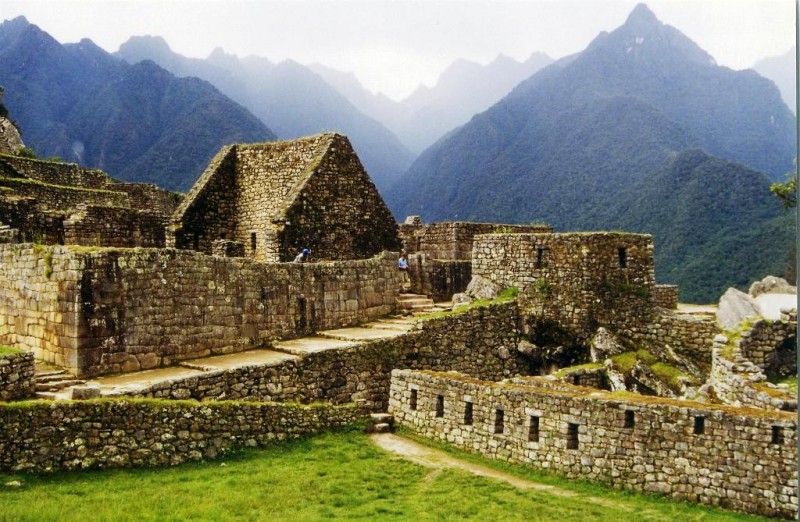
x,y
579,281
763,342
52,173
743,361
52,197
690,336
208,212
278,198
666,296
115,227
107,434
98,311
453,239
16,376
480,342
736,458
437,278
338,213
35,224
147,197
40,301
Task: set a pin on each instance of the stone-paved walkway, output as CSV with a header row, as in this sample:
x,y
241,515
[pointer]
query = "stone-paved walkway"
x,y
278,353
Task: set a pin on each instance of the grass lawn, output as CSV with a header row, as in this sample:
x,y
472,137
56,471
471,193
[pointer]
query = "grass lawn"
x,y
332,476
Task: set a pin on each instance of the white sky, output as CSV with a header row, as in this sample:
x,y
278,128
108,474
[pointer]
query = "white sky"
x,y
393,45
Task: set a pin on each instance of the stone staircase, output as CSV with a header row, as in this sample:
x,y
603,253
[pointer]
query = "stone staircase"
x,y
380,423
418,304
53,383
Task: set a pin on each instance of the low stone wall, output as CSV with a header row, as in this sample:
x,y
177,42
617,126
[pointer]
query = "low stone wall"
x,y
54,197
144,196
98,311
115,227
113,434
736,458
666,296
761,344
65,174
739,380
16,376
480,342
439,279
453,239
35,224
688,335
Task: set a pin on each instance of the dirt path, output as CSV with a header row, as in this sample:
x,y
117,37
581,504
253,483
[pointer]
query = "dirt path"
x,y
437,459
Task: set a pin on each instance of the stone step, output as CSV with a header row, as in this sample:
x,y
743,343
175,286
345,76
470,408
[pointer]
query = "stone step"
x,y
361,334
305,345
49,373
57,385
379,418
400,327
52,377
408,303
382,428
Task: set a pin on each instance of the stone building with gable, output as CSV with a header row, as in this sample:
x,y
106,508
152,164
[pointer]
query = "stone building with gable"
x,y
268,201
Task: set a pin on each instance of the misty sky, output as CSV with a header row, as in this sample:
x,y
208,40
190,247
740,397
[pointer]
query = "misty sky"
x,y
393,45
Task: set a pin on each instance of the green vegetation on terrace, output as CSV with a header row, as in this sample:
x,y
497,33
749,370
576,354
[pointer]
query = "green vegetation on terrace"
x,y
569,369
8,350
665,372
332,476
506,296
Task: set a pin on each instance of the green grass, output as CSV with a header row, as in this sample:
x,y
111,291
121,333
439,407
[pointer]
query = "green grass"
x,y
505,296
332,476
791,381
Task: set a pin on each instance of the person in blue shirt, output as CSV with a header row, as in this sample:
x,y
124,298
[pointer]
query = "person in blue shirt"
x,y
402,265
302,257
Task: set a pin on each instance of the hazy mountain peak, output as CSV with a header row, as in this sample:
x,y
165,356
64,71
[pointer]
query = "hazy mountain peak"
x,y
642,18
643,39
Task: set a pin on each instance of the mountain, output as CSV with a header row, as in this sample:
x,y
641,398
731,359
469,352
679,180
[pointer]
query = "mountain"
x,y
715,225
783,71
292,98
565,145
464,89
138,123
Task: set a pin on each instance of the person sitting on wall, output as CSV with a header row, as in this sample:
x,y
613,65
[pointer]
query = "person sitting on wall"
x,y
402,265
302,257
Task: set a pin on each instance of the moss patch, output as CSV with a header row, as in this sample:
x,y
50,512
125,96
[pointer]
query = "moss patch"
x,y
8,350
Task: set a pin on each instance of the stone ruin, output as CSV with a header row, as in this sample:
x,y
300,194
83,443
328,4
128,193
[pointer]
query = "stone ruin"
x,y
124,281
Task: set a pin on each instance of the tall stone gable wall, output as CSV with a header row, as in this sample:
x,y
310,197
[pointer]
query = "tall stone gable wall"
x,y
208,212
268,176
100,311
733,457
338,213
106,434
578,280
278,198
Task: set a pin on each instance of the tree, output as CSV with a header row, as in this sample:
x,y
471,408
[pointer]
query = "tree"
x,y
787,191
